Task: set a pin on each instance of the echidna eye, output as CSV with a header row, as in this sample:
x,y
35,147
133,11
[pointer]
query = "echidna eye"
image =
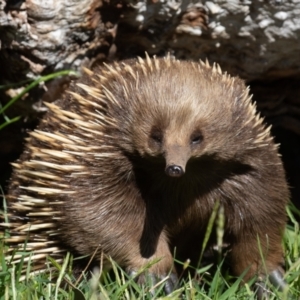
x,y
157,137
196,139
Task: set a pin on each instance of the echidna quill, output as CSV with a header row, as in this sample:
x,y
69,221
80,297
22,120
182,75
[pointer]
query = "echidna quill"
x,y
132,160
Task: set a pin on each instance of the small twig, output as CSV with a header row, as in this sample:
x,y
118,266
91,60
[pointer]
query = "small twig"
x,y
87,266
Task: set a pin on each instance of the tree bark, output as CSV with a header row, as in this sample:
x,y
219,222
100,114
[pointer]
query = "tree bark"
x,y
42,36
253,39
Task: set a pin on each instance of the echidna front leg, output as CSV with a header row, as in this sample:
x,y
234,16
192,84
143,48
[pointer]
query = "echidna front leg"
x,y
264,260
156,254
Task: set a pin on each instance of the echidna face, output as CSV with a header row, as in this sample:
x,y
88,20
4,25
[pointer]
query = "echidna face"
x,y
175,148
171,139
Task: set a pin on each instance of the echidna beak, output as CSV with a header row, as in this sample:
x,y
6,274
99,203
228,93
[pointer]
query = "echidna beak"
x,y
174,171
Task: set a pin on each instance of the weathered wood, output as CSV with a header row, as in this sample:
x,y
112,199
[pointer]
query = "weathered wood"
x,y
253,39
43,36
53,33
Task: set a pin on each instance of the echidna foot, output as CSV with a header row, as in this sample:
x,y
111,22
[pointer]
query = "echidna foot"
x,y
152,279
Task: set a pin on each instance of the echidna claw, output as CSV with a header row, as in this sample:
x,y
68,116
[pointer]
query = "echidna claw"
x,y
262,291
171,283
276,279
152,279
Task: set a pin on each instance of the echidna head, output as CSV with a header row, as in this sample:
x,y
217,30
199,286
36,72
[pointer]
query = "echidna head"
x,y
178,110
178,116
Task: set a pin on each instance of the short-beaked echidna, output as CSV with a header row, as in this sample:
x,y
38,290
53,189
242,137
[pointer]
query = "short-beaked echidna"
x,y
132,161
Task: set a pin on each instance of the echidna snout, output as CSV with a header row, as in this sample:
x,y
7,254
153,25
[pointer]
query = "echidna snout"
x,y
174,171
176,157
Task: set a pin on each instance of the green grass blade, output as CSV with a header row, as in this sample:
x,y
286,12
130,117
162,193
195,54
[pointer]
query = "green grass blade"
x,y
34,84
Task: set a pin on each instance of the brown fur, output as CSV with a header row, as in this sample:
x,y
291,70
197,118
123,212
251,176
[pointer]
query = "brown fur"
x,y
131,121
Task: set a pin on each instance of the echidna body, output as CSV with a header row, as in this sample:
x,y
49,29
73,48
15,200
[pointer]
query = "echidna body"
x,y
132,161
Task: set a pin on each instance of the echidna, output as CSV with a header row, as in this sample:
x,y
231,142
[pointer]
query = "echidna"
x,y
132,160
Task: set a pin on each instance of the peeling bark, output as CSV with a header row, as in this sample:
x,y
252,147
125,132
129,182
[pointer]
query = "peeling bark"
x,y
39,37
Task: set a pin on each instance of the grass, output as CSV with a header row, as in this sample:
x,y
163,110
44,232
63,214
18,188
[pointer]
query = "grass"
x,y
60,283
